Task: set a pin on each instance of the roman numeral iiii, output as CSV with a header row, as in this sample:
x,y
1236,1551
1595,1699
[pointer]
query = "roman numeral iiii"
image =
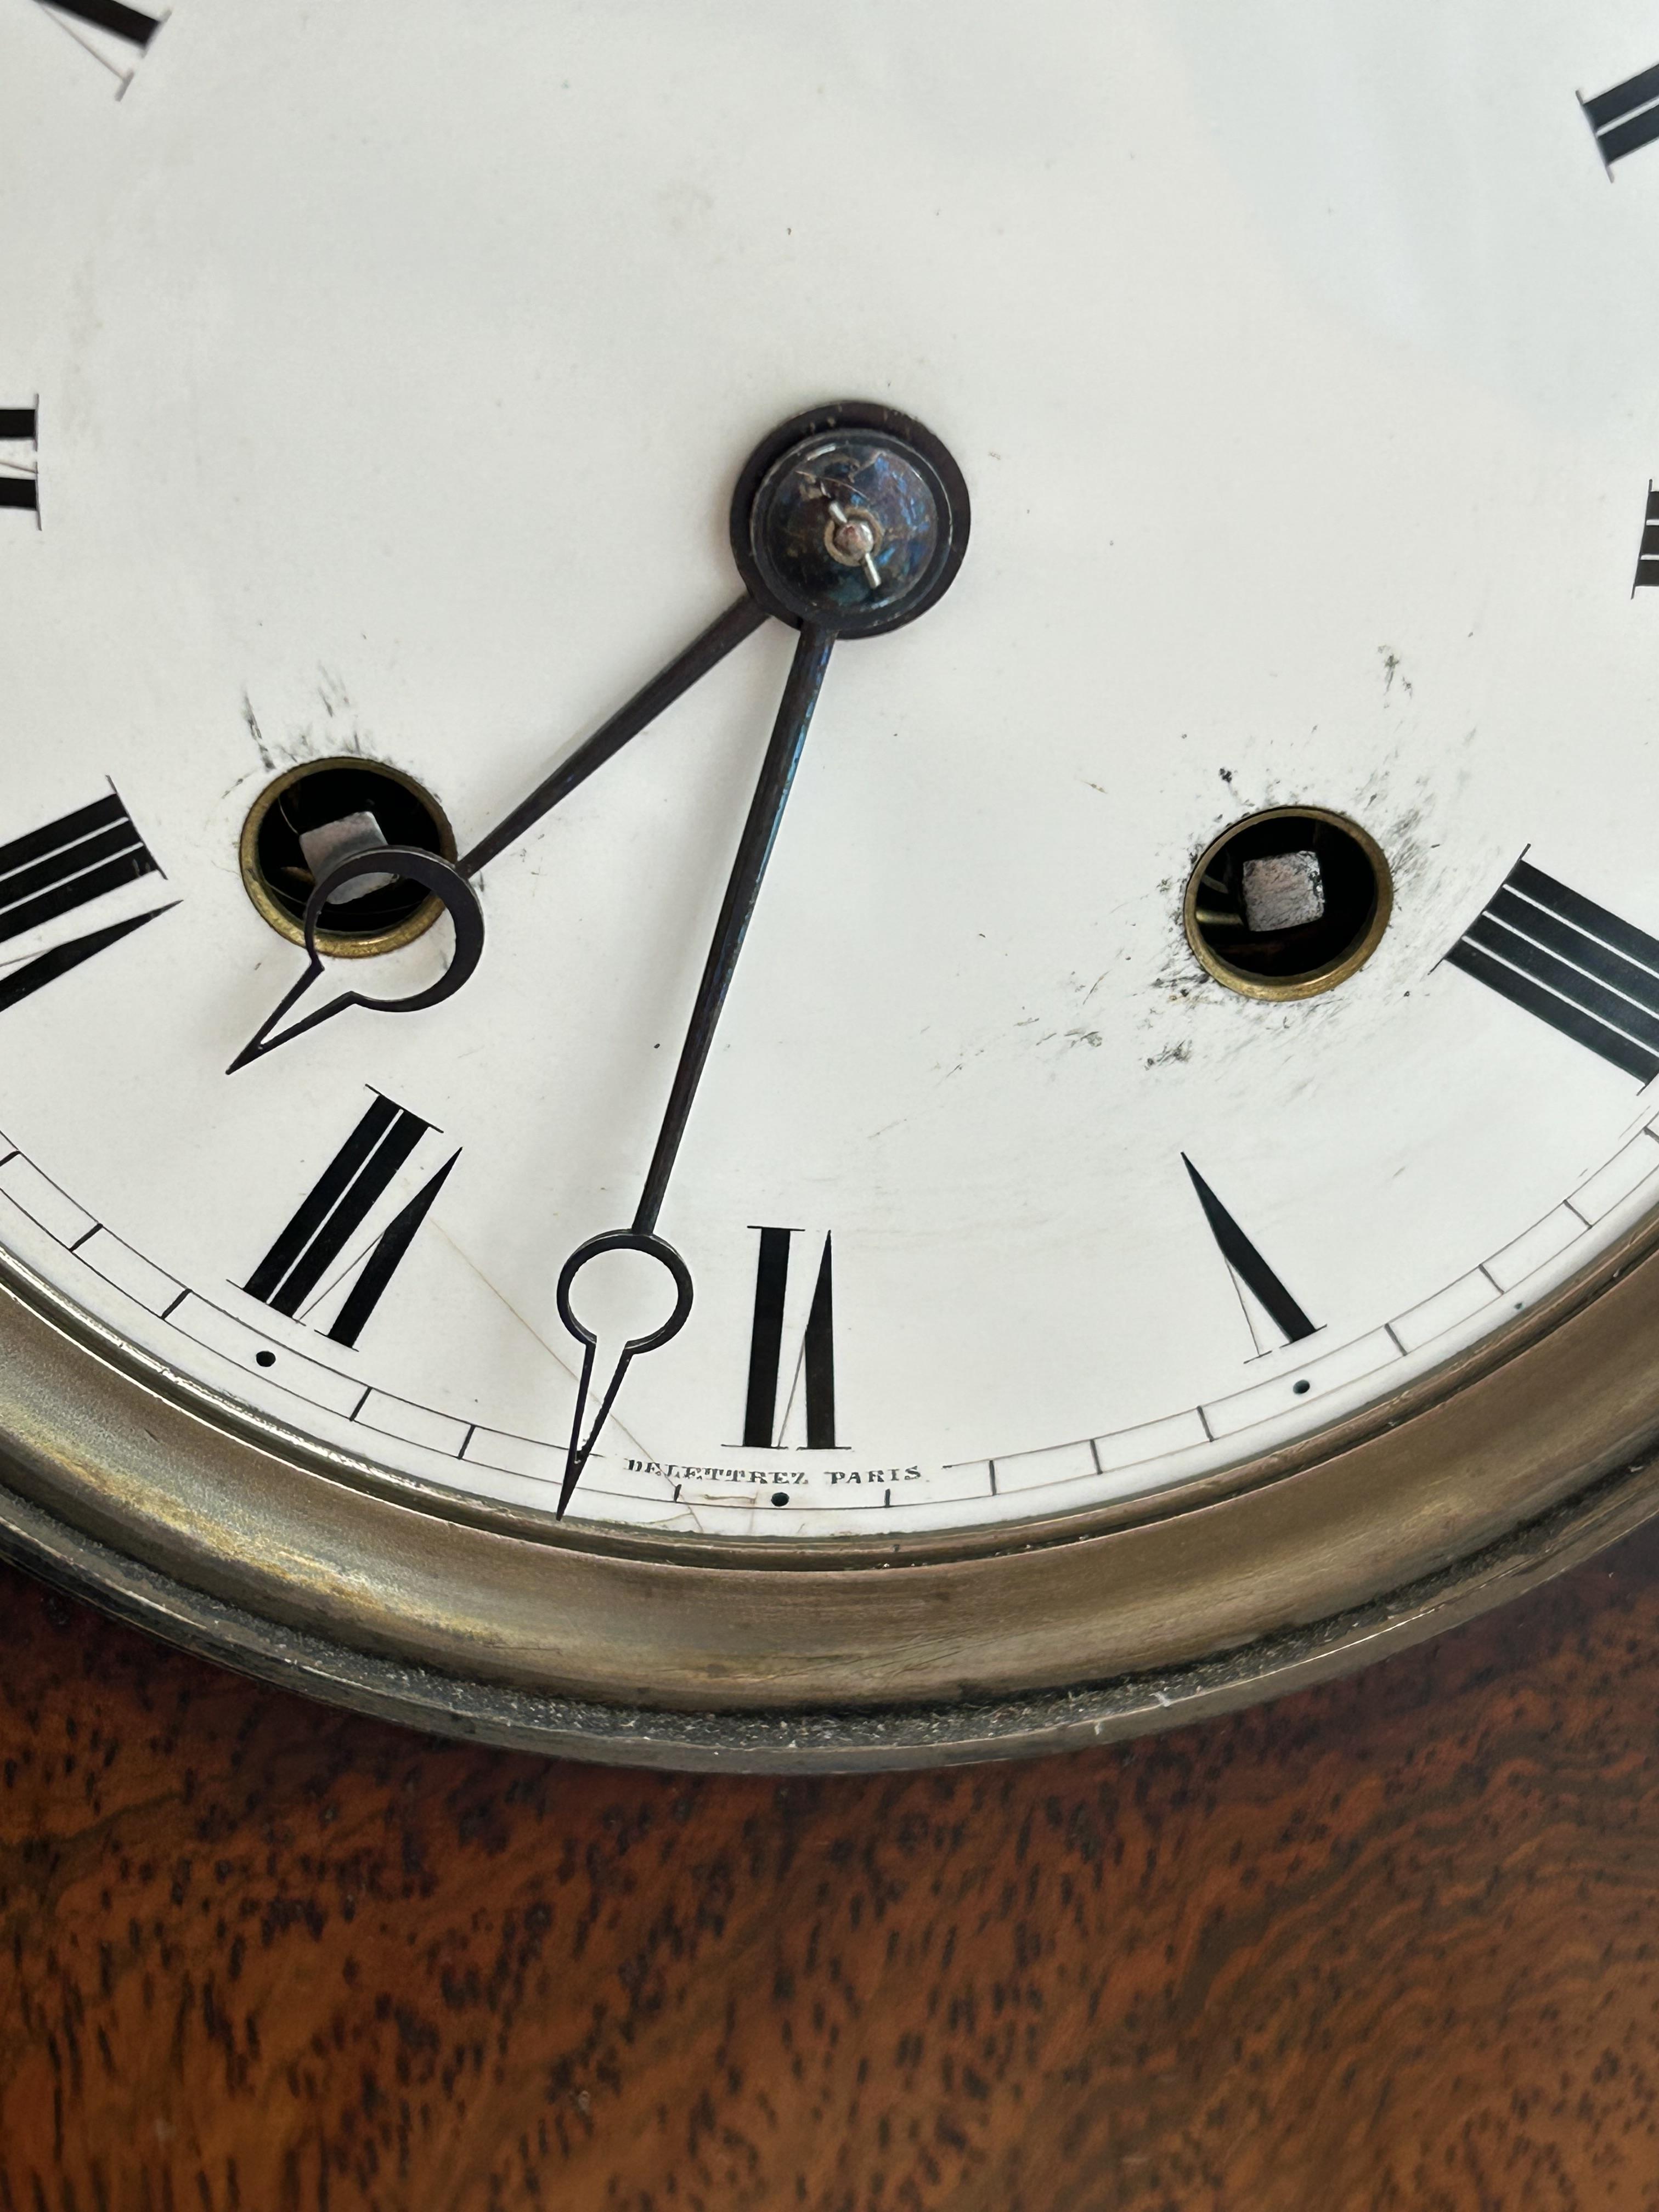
x,y
335,1209
1570,963
1626,117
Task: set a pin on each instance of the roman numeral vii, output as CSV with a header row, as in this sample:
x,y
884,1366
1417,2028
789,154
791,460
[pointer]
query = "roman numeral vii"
x,y
336,1208
762,1423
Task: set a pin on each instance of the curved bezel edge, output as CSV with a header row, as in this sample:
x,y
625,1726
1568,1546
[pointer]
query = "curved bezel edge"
x,y
833,1740
1563,1401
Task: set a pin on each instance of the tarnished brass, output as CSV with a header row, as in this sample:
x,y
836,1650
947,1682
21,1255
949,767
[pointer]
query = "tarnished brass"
x,y
1319,1553
332,943
1324,978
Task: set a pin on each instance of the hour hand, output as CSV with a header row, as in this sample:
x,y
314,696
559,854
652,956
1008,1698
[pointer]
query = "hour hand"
x,y
687,668
437,876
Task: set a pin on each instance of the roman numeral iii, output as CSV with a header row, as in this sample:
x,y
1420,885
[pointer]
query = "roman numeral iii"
x,y
1575,966
762,1423
1626,117
20,466
52,871
1250,1272
335,1209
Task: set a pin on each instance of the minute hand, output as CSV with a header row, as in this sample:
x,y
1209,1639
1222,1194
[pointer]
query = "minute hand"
x,y
760,831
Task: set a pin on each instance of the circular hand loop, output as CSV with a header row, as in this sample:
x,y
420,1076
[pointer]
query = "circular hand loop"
x,y
445,882
627,1240
460,903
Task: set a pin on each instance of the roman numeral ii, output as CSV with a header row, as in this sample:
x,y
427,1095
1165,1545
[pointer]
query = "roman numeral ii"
x,y
762,1423
1250,1272
1626,117
335,1209
1570,963
51,872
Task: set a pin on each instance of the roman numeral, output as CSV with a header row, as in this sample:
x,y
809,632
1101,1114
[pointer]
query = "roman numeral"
x,y
335,1209
762,1423
112,32
1250,1272
52,871
19,473
1572,964
1647,560
1626,117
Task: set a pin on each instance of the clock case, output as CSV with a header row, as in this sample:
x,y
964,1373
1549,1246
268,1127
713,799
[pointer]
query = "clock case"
x,y
196,1519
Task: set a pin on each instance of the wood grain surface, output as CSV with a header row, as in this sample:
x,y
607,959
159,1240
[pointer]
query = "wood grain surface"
x,y
1392,1943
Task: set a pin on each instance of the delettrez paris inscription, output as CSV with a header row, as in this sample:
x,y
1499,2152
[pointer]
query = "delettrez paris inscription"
x,y
767,1477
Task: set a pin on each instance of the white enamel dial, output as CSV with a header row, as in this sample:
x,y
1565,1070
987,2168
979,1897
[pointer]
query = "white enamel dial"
x,y
375,383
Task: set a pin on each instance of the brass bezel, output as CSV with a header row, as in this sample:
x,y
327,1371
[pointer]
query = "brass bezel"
x,y
1316,981
245,1540
329,942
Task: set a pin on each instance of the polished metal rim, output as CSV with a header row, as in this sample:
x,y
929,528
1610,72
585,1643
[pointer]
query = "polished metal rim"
x,y
835,1741
257,1548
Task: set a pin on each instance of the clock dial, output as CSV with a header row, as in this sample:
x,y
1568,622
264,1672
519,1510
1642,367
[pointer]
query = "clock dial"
x,y
1207,972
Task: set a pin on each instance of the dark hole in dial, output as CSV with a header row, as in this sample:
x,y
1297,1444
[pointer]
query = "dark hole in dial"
x,y
1308,918
332,794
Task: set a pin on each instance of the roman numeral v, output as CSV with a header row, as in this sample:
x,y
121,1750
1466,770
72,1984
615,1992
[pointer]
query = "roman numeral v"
x,y
1250,1272
116,36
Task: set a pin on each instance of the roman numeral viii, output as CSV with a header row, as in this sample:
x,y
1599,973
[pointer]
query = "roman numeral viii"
x,y
1575,966
1626,117
335,1209
20,466
763,1425
52,871
1250,1272
1647,558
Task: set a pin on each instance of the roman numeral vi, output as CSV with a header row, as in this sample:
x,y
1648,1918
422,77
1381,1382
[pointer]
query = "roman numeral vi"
x,y
1570,963
762,1423
20,472
333,1210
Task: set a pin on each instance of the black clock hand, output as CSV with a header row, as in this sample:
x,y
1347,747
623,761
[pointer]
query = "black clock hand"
x,y
800,697
440,879
449,880
760,831
703,654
